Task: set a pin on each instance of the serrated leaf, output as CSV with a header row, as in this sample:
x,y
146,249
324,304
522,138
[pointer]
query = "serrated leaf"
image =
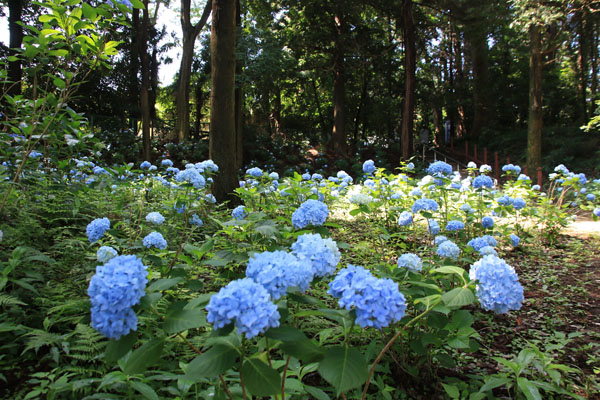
x,y
181,319
163,284
211,363
494,382
449,270
118,348
458,297
317,393
344,368
144,390
260,379
529,389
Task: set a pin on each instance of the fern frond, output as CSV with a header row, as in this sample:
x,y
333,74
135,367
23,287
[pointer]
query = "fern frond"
x,y
6,300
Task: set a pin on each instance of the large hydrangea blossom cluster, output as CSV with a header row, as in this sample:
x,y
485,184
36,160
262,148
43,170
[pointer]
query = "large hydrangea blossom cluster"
x,y
116,287
439,168
511,169
105,253
498,287
311,212
191,175
448,249
322,254
369,167
155,218
482,181
424,205
155,239
410,261
482,241
95,229
279,270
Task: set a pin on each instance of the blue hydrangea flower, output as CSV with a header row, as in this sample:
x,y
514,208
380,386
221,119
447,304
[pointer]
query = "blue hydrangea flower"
x,y
410,166
484,169
448,249
145,165
377,302
322,254
155,239
505,201
416,192
246,303
172,170
274,175
316,177
536,187
152,168
439,239
191,175
166,163
515,240
117,286
278,270
306,176
196,220
369,167
239,213
467,208
425,205
155,218
35,154
95,229
410,261
561,169
582,179
311,212
523,178
433,227
370,183
455,225
105,253
518,203
209,165
99,171
488,250
590,197
498,287
487,222
439,168
405,218
482,181
597,211
509,168
479,242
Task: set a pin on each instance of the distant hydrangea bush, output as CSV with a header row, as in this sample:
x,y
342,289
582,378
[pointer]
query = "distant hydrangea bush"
x,y
278,270
155,218
455,225
322,254
245,303
369,167
433,227
95,229
479,242
515,240
377,302
255,172
448,249
239,213
482,181
311,212
424,205
498,287
439,168
405,218
117,286
155,239
410,261
487,222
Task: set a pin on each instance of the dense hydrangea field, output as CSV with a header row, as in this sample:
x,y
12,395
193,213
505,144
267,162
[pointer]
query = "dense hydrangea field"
x,y
246,291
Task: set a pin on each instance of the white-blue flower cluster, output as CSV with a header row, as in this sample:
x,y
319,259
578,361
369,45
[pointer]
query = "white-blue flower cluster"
x,y
487,222
448,249
311,212
369,167
405,218
596,211
439,168
166,163
105,253
487,250
195,220
322,254
116,287
455,225
277,271
498,287
155,217
483,181
95,229
410,261
377,302
433,227
145,165
515,240
155,239
509,168
246,303
424,205
255,172
479,242
191,175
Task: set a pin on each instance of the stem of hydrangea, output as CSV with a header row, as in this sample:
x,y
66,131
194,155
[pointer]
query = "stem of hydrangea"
x,y
242,380
287,363
391,342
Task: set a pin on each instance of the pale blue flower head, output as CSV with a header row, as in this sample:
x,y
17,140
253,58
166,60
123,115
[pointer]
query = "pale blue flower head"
x,y
166,163
515,240
466,208
518,203
155,218
424,205
322,254
369,167
105,253
479,242
484,169
196,220
274,175
498,287
410,261
246,303
487,222
239,213
439,168
255,172
448,249
488,250
482,181
311,212
95,229
191,175
278,270
434,227
155,239
145,165
596,211
405,218
455,225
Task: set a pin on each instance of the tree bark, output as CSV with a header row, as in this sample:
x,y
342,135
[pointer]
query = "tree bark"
x,y
479,57
408,111
222,144
338,135
582,66
145,88
182,94
15,73
594,62
534,122
239,97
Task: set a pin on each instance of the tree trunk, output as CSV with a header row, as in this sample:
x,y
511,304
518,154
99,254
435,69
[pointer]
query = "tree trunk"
x,y
534,122
594,62
338,135
134,67
479,57
182,94
15,9
199,94
275,115
582,66
408,111
239,97
145,88
222,146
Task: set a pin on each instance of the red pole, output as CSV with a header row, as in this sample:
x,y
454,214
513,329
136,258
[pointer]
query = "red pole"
x,y
525,170
485,155
539,176
496,166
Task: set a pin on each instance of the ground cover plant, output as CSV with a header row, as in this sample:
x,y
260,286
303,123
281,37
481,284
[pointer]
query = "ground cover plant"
x,y
132,281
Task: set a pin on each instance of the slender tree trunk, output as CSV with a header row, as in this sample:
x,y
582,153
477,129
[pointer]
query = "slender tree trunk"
x,y
321,115
594,61
408,111
275,115
479,56
338,136
582,66
239,97
222,146
534,122
134,66
182,94
199,94
15,10
145,88
361,104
